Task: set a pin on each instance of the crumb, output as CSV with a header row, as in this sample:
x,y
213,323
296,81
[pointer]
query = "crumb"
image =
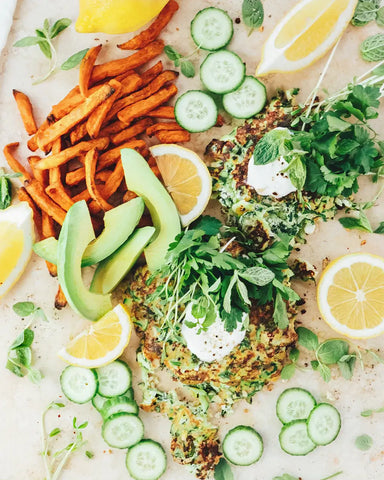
x,y
363,242
303,311
325,262
237,20
261,29
246,410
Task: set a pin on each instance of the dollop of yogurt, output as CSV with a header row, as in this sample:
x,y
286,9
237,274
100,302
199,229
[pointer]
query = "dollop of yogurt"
x,y
214,343
270,179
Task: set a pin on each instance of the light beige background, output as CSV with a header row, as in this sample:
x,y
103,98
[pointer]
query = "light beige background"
x,y
21,402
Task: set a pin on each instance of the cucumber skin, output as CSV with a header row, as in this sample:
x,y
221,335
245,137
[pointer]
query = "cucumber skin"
x,y
287,425
130,382
209,49
226,91
293,389
63,389
251,116
181,123
249,429
132,474
338,430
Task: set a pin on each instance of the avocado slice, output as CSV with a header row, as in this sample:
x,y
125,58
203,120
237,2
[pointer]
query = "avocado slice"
x,y
119,224
75,236
141,180
113,269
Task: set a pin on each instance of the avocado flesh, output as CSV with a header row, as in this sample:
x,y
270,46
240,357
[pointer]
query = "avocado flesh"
x,y
75,235
119,224
113,269
141,180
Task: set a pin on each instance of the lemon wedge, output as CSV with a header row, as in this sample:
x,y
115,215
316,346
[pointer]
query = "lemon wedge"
x,y
116,16
305,34
16,240
350,295
186,177
102,342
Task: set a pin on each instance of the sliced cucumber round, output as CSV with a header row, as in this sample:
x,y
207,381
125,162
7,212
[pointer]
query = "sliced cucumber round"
x,y
222,72
114,379
146,460
196,111
243,446
324,424
119,404
212,29
247,100
78,384
122,430
98,402
294,438
294,404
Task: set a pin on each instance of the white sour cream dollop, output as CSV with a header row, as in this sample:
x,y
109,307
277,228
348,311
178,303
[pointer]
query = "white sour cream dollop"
x,y
215,342
270,179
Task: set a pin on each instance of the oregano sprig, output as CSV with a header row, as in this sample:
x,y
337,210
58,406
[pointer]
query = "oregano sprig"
x,y
186,66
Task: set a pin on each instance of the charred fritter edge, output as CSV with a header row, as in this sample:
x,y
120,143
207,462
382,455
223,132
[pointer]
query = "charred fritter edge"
x,y
262,217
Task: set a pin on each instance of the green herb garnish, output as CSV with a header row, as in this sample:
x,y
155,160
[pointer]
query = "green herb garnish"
x,y
366,11
369,413
364,442
223,471
55,462
43,40
253,14
372,49
186,66
6,188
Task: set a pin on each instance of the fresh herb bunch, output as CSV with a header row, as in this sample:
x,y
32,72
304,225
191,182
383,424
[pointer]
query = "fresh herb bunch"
x,y
19,359
186,66
6,188
333,352
199,271
334,146
43,39
55,462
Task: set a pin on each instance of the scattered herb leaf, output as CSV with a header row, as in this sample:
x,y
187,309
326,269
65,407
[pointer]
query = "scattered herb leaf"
x,y
223,471
74,60
360,222
307,339
372,48
253,14
369,413
380,228
6,188
364,442
89,454
186,66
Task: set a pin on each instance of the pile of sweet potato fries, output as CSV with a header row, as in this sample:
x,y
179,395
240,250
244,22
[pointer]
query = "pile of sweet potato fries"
x,y
113,104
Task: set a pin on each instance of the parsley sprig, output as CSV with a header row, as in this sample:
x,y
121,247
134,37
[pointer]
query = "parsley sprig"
x,y
199,271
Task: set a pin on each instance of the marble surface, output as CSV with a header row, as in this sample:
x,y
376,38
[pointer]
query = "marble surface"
x,y
21,402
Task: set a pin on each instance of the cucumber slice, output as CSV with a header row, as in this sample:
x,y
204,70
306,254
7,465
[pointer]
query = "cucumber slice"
x,y
114,379
222,72
324,424
212,28
247,100
98,402
146,460
119,404
196,111
78,384
294,404
122,430
294,438
243,446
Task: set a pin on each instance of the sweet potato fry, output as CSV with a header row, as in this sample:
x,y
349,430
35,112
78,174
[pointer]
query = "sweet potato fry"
x,y
23,196
154,30
75,177
130,84
60,300
220,120
151,73
109,158
65,124
58,194
166,112
40,175
32,142
162,126
86,67
112,128
97,117
133,131
43,201
90,171
64,156
153,87
173,136
84,195
103,175
114,181
141,108
26,112
68,103
14,164
79,132
117,67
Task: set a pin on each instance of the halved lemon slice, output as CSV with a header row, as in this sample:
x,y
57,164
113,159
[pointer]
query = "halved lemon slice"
x,y
102,342
305,34
350,295
187,179
16,240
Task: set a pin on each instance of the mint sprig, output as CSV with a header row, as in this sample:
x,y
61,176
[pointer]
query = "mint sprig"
x,y
186,66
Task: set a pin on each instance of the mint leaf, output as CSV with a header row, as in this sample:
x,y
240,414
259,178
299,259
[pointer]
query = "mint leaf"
x,y
74,60
356,223
223,471
171,53
15,369
210,225
380,17
325,372
25,339
372,48
364,442
45,48
307,339
187,69
380,228
280,315
257,275
27,42
24,309
5,192
294,354
331,351
59,26
253,13
288,371
271,146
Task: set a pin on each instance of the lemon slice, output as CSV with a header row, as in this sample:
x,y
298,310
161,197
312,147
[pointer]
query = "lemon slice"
x,y
187,179
16,240
116,16
350,295
102,342
305,34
